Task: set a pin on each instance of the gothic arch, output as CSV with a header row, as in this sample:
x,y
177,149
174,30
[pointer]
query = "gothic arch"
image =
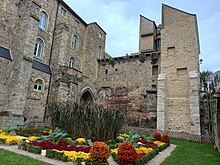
x,y
87,95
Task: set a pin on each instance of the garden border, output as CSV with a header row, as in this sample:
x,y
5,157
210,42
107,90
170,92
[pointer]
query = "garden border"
x,y
176,135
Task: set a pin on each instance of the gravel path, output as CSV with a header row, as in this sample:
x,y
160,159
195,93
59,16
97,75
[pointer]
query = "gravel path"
x,y
155,161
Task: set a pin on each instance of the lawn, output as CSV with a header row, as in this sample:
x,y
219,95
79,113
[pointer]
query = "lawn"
x,y
11,158
191,153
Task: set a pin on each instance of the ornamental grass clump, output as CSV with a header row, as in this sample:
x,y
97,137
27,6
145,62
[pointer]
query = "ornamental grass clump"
x,y
127,153
99,152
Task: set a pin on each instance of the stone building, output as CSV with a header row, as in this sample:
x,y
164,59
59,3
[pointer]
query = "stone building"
x,y
50,53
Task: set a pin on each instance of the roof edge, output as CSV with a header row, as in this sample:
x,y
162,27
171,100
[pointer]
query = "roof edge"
x,y
97,25
177,9
73,12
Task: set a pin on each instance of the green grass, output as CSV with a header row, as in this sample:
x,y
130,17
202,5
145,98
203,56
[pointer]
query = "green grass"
x,y
191,153
11,158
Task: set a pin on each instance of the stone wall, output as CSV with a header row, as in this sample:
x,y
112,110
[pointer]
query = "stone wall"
x,y
178,83
18,23
147,34
36,100
124,81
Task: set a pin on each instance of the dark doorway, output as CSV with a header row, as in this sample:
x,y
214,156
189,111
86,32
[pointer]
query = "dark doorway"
x,y
86,98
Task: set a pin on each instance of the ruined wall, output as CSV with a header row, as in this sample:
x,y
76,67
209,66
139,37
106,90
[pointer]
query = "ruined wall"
x,y
178,82
127,81
18,23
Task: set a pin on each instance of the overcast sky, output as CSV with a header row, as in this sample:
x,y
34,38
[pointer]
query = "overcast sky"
x,y
120,20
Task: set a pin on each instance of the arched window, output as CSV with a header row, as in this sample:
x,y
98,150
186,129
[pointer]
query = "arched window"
x,y
39,47
38,85
99,52
72,62
75,42
43,20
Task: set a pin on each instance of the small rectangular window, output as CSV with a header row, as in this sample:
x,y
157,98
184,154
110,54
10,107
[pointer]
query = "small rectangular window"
x,y
171,51
158,43
76,23
63,12
100,35
181,71
155,70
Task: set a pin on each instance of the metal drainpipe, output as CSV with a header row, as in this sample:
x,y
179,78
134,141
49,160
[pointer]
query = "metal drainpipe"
x,y
51,49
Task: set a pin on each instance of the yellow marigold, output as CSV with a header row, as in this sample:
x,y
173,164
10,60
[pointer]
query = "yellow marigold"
x,y
51,131
10,139
73,155
114,150
32,138
159,143
143,150
1,131
80,140
68,138
124,135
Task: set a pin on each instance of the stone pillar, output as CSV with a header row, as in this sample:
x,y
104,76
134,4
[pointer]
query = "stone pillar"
x,y
161,102
194,103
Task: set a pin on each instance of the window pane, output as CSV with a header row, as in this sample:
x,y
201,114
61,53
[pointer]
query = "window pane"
x,y
38,48
43,20
75,42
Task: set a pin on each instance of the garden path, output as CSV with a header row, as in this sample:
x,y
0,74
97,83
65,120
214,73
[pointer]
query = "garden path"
x,y
155,161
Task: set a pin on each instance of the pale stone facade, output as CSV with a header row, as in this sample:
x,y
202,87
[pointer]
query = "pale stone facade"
x,y
178,82
58,56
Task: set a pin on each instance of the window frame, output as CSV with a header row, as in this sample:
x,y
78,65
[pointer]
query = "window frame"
x,y
43,20
100,35
64,13
72,62
77,23
37,47
39,84
75,41
99,52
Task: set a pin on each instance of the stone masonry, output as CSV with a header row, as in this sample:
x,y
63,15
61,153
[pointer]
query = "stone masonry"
x,y
56,55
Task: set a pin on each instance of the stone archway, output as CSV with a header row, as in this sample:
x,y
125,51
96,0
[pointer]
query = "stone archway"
x,y
87,97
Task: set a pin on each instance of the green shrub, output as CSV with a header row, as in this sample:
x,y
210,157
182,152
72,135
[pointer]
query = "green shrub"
x,y
50,153
34,149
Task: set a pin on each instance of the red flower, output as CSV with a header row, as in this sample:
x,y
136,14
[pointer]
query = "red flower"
x,y
151,144
48,145
141,154
165,138
157,136
143,141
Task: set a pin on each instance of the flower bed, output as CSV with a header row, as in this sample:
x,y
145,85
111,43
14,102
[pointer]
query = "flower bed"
x,y
48,145
9,139
127,148
33,132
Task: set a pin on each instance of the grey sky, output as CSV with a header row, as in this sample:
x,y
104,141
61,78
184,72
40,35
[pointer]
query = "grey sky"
x,y
120,19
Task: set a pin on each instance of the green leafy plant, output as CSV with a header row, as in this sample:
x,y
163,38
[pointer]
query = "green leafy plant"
x,y
55,136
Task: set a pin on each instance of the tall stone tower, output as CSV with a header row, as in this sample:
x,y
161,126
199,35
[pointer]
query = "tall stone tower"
x,y
178,81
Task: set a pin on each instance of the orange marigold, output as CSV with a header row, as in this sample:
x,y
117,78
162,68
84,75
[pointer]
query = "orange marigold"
x,y
99,152
157,136
127,153
165,138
